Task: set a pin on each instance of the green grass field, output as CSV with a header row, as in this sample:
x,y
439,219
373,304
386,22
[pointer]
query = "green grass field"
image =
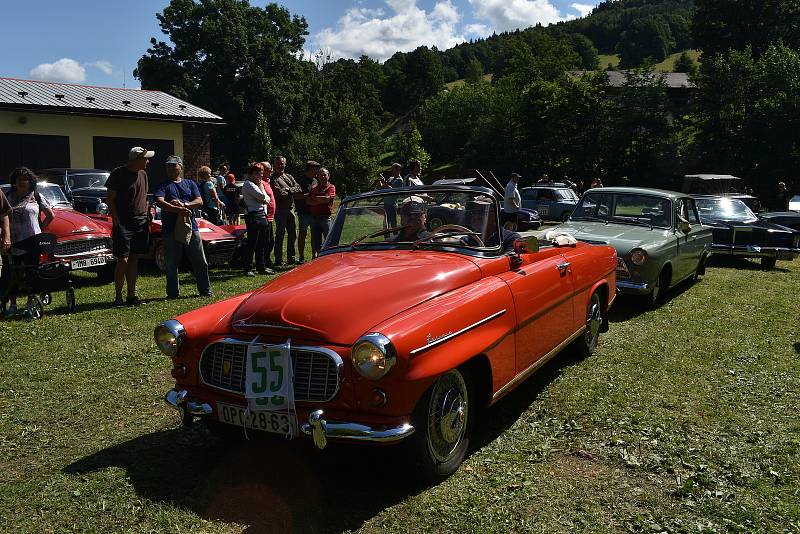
x,y
684,420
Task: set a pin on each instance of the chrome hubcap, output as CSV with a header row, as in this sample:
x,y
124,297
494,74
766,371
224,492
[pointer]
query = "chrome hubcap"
x,y
593,323
447,416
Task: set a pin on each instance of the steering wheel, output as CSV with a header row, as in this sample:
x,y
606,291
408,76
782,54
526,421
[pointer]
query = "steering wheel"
x,y
447,228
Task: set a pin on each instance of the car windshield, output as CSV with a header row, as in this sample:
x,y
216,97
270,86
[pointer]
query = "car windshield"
x,y
77,181
566,194
422,218
52,193
625,208
728,209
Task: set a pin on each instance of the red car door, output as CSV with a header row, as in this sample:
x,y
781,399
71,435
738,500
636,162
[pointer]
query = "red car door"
x,y
542,289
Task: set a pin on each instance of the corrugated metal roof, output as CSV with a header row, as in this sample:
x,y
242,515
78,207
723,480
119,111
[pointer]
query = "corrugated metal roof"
x,y
90,100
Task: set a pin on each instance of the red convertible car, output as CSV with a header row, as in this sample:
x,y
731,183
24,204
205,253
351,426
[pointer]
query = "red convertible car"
x,y
394,334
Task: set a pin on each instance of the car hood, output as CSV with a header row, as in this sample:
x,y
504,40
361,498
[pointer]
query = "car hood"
x,y
759,224
339,297
68,222
623,237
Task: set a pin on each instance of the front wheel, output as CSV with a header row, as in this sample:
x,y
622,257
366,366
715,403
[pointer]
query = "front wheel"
x,y
653,300
443,421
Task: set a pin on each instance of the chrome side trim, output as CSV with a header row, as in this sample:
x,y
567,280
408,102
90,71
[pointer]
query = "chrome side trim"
x,y
537,364
320,430
448,337
332,354
631,285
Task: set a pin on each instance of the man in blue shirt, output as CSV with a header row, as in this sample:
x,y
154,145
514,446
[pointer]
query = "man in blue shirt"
x,y
177,198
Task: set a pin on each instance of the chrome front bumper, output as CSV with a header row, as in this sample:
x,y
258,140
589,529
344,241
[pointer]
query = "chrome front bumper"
x,y
320,430
316,427
633,287
755,251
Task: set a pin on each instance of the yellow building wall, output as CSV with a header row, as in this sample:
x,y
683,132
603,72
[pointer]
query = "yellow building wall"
x,y
81,130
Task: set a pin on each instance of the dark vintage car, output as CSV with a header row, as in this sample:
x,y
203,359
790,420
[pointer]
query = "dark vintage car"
x,y
789,219
739,232
451,210
394,333
724,185
85,188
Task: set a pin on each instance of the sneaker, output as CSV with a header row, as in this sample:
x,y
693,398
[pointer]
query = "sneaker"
x,y
133,301
172,297
119,303
208,294
290,261
300,261
249,273
11,311
266,271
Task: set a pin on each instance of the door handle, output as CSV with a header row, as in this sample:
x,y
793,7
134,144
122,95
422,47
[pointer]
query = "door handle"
x,y
562,267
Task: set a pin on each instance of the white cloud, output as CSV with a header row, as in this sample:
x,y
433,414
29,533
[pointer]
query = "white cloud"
x,y
583,9
64,70
102,65
508,15
362,31
481,30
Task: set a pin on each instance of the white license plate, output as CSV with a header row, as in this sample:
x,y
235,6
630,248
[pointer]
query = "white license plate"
x,y
275,422
87,262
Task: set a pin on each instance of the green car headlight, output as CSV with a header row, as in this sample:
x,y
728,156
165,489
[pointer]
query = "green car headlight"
x,y
169,336
638,256
373,356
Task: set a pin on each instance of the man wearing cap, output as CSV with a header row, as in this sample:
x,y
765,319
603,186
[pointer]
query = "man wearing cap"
x,y
413,215
482,219
512,200
127,205
285,188
178,197
306,182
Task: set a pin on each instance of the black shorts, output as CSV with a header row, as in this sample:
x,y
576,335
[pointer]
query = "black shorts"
x,y
130,239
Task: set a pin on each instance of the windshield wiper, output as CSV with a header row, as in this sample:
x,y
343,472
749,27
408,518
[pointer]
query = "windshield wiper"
x,y
626,220
438,235
587,218
378,233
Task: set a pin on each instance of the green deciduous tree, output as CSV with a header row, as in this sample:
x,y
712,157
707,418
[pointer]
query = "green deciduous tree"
x,y
650,37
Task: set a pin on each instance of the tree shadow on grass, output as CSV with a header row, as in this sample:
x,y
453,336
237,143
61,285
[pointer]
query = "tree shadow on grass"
x,y
267,483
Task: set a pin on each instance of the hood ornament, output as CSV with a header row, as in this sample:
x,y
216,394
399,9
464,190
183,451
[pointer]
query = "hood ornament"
x,y
242,323
82,229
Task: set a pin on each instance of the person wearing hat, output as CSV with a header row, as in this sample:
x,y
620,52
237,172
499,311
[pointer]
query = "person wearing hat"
x,y
482,219
413,215
127,187
306,182
178,197
512,201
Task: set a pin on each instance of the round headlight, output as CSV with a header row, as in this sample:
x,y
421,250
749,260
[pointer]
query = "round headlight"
x,y
638,256
169,335
102,208
373,356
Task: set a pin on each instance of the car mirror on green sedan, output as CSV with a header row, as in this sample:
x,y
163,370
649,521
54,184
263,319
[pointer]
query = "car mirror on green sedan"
x,y
684,225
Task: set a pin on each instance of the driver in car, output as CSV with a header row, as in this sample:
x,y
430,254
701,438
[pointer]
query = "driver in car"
x,y
413,215
483,220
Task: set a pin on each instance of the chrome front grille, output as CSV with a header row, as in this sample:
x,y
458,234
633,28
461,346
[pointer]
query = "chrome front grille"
x,y
316,372
220,252
78,247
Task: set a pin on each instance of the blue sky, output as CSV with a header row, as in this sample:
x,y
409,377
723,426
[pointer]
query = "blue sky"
x,y
98,42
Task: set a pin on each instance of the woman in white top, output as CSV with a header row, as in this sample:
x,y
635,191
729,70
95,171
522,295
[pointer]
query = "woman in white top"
x,y
256,200
413,177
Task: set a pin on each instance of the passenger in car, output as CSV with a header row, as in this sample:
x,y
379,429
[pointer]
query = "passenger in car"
x,y
483,219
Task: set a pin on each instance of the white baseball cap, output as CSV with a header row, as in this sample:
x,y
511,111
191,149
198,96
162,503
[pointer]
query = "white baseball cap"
x,y
139,152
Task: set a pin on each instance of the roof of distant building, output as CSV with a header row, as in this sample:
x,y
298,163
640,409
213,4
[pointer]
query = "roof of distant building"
x,y
33,95
617,78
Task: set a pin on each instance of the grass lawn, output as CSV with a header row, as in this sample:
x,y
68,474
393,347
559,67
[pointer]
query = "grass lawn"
x,y
684,420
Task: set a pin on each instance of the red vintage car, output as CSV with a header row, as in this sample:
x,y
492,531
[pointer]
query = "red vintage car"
x,y
83,243
220,243
394,334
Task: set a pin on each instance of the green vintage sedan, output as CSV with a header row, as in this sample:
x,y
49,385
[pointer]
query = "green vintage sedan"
x,y
658,236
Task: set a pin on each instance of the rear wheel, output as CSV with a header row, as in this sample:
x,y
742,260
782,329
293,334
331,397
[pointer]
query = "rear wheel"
x,y
443,421
435,223
768,263
34,308
160,258
565,216
587,343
